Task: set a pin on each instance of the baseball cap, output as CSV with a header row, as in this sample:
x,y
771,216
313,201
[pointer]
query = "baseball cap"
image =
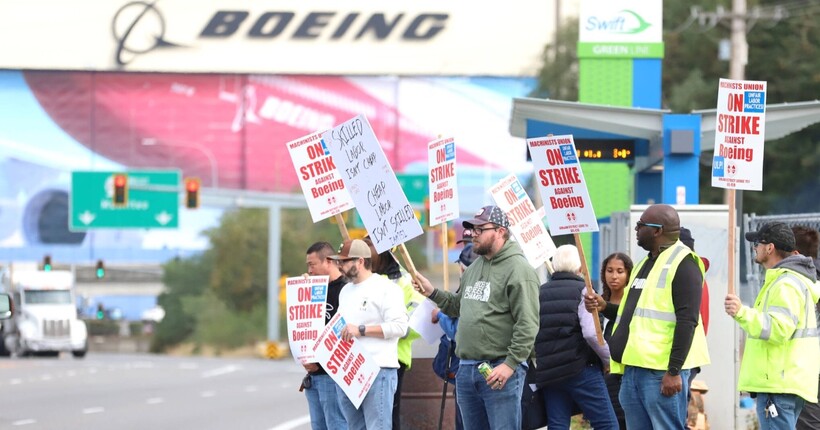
x,y
355,248
488,214
467,255
776,233
466,236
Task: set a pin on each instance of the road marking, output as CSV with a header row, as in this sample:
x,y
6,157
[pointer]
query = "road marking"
x,y
15,381
94,410
251,389
23,422
294,423
155,400
207,394
220,371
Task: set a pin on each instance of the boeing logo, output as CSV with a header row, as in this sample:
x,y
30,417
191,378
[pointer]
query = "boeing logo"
x,y
138,28
624,22
327,25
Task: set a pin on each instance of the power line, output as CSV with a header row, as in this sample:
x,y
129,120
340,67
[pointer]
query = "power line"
x,y
771,14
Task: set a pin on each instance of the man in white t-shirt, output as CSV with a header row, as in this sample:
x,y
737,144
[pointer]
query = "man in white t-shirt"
x,y
374,310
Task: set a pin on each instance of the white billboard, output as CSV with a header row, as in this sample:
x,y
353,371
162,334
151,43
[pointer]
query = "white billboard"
x,y
401,37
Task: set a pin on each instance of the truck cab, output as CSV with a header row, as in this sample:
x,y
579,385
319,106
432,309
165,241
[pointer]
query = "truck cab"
x,y
45,319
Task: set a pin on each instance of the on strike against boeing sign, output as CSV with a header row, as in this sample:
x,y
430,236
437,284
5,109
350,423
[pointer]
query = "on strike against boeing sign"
x,y
562,185
321,183
739,135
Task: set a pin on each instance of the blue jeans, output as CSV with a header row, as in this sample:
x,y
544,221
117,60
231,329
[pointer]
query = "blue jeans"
x,y
459,421
323,404
644,405
788,408
376,410
588,390
485,408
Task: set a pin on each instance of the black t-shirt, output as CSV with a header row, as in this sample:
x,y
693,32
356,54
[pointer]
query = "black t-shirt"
x,y
333,290
687,288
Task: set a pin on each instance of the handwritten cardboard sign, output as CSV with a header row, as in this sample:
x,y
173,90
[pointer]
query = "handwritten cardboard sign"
x,y
525,220
347,363
739,135
306,299
562,185
380,201
321,183
441,156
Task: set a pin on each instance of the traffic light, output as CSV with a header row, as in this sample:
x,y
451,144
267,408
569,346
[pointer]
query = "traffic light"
x,y
100,311
120,189
192,193
47,263
100,269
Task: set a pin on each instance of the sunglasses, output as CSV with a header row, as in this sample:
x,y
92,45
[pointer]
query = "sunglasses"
x,y
648,224
345,260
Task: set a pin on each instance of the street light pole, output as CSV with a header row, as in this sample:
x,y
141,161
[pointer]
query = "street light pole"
x,y
208,154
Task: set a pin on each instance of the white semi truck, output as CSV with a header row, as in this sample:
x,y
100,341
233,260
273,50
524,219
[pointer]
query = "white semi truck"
x,y
45,318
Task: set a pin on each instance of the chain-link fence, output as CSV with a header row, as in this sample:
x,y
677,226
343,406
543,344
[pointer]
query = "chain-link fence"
x,y
752,222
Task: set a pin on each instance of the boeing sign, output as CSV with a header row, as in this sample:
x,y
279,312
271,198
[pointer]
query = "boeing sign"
x,y
367,37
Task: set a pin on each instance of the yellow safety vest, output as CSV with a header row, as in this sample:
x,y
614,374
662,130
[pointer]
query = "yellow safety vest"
x,y
782,354
653,324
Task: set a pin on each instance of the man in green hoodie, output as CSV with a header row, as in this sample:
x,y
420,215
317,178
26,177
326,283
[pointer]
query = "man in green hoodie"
x,y
497,304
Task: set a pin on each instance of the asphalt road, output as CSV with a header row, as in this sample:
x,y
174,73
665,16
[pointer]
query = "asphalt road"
x,y
117,391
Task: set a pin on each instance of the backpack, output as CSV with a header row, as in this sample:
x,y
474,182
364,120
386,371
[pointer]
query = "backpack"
x,y
445,363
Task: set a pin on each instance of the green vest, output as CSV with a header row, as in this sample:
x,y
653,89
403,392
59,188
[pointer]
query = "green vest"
x,y
782,354
653,324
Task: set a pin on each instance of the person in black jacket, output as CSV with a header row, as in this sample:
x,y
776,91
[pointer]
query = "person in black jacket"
x,y
570,364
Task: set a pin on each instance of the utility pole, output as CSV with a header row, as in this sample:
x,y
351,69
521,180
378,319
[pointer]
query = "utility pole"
x,y
741,20
737,71
740,48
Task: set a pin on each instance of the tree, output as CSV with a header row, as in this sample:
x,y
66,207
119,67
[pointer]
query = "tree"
x,y
240,252
239,274
558,79
219,298
785,54
182,279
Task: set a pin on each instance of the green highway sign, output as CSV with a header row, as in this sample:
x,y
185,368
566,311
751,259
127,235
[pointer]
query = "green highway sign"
x,y
152,200
415,187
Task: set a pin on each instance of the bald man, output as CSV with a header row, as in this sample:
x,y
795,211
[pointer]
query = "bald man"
x,y
657,336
